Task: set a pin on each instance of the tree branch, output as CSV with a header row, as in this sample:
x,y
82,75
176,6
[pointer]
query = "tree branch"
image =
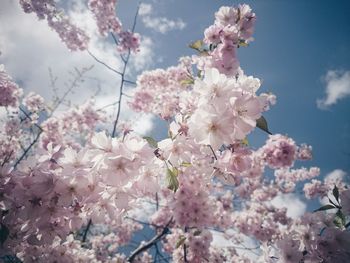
x,y
125,60
24,154
103,63
59,102
150,243
185,249
86,231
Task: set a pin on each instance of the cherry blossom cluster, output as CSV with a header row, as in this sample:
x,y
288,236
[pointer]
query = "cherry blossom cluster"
x,y
107,22
129,41
71,35
52,195
33,102
9,90
312,238
227,108
202,181
279,151
75,38
232,27
104,12
159,91
61,130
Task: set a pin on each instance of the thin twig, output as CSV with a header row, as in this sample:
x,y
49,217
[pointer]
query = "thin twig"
x,y
212,150
142,222
108,105
103,63
150,243
130,82
185,249
28,148
126,60
59,102
86,230
72,86
30,118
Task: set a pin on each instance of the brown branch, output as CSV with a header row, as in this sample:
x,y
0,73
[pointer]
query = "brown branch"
x,y
150,243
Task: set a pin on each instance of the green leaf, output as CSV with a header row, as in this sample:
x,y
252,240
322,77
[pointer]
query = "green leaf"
x,y
173,183
152,142
245,142
336,193
180,242
4,233
187,82
186,164
325,207
339,219
197,45
242,43
261,123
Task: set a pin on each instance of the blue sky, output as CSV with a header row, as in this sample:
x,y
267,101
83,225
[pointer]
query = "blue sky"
x,y
296,44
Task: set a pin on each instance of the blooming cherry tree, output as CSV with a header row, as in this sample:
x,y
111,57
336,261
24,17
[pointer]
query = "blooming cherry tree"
x,y
71,193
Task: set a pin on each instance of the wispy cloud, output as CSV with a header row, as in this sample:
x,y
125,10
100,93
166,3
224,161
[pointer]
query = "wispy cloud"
x,y
27,55
295,207
337,87
145,9
159,24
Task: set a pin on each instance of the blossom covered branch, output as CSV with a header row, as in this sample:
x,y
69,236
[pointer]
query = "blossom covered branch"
x,y
205,178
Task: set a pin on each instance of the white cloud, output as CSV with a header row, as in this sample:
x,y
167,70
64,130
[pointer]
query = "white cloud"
x,y
145,9
159,24
333,178
144,58
336,175
337,87
29,47
143,210
142,124
226,240
295,207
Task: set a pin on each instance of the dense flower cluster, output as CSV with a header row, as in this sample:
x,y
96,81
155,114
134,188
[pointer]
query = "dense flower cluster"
x,y
312,238
62,130
159,91
34,102
107,21
232,27
9,90
129,41
104,11
227,108
54,194
279,151
72,36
